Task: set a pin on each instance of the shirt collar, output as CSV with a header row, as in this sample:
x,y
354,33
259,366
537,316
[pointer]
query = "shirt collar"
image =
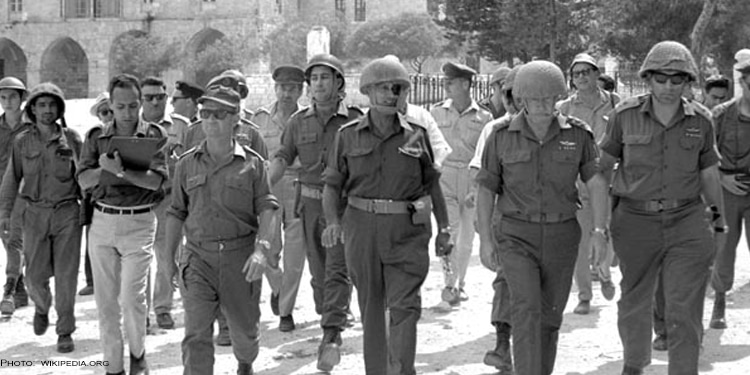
x,y
58,131
141,129
448,103
603,98
341,110
165,119
238,150
518,123
687,108
402,122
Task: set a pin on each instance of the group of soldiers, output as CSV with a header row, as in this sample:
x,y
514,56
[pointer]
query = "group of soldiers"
x,y
554,184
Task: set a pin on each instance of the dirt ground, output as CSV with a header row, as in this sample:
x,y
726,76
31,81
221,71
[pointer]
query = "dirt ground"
x,y
452,341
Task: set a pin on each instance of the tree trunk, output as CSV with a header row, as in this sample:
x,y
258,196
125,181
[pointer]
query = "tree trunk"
x,y
699,30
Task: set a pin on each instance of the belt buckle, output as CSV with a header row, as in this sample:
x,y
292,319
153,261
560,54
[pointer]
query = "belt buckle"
x,y
660,205
221,245
375,206
542,218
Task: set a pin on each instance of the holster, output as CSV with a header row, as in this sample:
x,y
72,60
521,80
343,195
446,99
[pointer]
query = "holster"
x,y
421,210
86,210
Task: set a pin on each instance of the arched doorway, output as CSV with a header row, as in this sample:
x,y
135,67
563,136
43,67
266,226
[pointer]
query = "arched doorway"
x,y
12,60
65,64
199,69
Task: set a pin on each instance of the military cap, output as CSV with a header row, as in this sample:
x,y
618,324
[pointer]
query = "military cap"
x,y
188,89
102,99
455,70
222,95
583,58
288,74
743,66
499,75
233,79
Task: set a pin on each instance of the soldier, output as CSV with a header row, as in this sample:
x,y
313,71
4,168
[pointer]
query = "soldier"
x,y
494,102
592,105
185,100
272,120
43,164
532,161
222,200
12,94
461,120
731,120
123,226
606,83
667,162
383,165
500,357
309,136
716,91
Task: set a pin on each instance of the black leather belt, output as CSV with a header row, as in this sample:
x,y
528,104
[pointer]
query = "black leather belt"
x,y
123,211
379,206
310,192
657,205
541,218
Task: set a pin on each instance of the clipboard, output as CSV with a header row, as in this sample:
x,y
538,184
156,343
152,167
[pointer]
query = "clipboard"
x,y
136,153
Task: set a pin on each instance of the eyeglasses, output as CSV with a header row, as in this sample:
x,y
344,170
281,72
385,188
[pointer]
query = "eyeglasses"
x,y
105,112
581,73
676,79
218,114
151,97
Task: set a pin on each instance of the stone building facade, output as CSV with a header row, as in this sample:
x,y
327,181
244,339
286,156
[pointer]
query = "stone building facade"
x,y
70,42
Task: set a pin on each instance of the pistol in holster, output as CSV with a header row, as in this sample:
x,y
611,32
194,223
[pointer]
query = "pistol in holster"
x,y
421,210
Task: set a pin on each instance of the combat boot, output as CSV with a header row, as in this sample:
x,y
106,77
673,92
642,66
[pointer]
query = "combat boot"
x,y
8,304
717,317
21,298
500,358
244,369
329,354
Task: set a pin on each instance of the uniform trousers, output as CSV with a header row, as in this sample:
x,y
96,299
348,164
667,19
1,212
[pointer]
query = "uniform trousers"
x,y
455,183
736,209
538,260
213,281
388,259
501,303
121,249
52,248
13,243
286,283
582,273
330,278
160,291
678,244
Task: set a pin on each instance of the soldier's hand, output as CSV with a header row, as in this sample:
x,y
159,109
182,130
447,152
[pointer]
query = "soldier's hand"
x,y
487,256
111,164
471,198
443,244
264,247
254,266
332,234
5,228
730,183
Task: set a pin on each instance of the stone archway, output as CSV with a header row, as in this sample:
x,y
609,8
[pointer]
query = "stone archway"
x,y
65,64
197,44
118,63
12,60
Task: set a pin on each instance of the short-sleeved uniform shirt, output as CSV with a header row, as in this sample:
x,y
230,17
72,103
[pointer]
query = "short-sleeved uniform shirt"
x,y
115,191
732,137
220,202
246,133
397,165
534,177
271,126
306,137
46,166
596,118
658,161
461,130
7,135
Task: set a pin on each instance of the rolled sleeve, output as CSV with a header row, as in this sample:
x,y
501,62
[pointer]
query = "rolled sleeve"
x,y
336,171
611,143
159,164
490,176
263,199
288,149
89,151
709,155
179,205
476,161
589,159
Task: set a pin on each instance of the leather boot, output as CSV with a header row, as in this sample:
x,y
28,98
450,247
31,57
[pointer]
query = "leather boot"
x,y
500,358
329,354
8,304
717,317
21,298
244,369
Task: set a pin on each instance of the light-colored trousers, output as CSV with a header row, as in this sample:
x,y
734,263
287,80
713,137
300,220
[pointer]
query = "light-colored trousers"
x,y
455,183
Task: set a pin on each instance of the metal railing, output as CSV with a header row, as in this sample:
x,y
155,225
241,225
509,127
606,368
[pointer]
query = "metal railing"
x,y
427,89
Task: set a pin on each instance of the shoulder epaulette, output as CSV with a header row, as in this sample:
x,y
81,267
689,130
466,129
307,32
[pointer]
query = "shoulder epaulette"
x,y
500,123
262,110
180,117
701,109
438,104
722,108
575,121
248,112
253,152
355,108
249,123
189,151
631,102
350,124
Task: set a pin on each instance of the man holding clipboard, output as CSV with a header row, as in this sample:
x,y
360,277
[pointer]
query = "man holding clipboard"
x,y
122,230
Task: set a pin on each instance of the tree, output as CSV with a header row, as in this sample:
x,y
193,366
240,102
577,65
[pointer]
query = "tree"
x,y
229,52
287,43
143,55
409,36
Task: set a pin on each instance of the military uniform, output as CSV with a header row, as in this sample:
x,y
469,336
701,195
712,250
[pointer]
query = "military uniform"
x,y
386,253
306,138
246,134
462,132
488,105
659,226
219,205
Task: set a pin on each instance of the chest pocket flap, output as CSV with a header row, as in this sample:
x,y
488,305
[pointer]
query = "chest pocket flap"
x,y
196,181
305,138
636,139
520,156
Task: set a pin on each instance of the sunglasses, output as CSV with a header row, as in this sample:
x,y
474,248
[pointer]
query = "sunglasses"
x,y
676,79
105,112
218,114
581,73
151,97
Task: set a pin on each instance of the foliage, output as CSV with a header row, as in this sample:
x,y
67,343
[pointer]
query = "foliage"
x,y
409,36
287,43
144,55
231,52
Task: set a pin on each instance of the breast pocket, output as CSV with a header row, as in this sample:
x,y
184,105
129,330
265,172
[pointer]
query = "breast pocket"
x,y
358,161
238,192
688,152
307,148
637,154
32,162
517,169
193,186
63,163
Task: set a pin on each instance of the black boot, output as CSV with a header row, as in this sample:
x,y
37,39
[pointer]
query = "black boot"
x,y
8,304
244,369
500,357
21,298
138,365
717,317
329,354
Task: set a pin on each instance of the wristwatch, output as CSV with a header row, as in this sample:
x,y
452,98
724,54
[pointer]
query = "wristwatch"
x,y
265,243
445,230
120,174
603,231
